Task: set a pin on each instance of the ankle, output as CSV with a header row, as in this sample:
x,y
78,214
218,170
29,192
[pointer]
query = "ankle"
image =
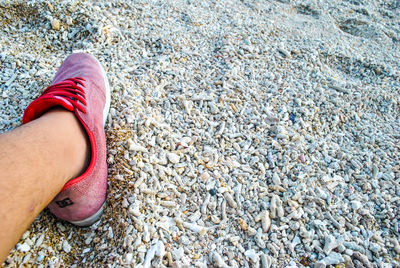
x,y
74,141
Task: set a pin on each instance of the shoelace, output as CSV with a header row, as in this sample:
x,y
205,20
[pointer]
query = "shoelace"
x,y
71,89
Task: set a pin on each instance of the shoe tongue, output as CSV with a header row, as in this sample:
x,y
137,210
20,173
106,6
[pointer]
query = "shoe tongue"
x,y
41,105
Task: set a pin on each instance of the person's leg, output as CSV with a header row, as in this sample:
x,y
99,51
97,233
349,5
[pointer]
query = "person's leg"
x,y
36,160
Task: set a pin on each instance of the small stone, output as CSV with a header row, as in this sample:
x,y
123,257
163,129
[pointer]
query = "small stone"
x,y
374,247
23,247
173,158
40,258
284,52
259,241
26,258
266,261
396,245
230,200
55,24
331,259
347,261
184,240
66,246
355,205
330,244
265,221
275,179
219,262
128,258
205,176
363,259
60,227
251,231
292,117
125,203
243,224
302,158
39,241
251,254
213,192
215,219
178,253
134,147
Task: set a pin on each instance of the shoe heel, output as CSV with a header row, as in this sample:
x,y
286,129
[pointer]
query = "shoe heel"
x,y
92,219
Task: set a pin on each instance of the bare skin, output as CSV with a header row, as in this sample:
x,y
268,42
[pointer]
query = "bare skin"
x,y
36,160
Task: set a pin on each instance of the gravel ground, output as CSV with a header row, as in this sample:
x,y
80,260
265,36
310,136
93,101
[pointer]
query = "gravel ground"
x,y
241,133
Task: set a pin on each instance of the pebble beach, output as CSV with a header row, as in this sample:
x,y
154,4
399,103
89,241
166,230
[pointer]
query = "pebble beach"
x,y
251,133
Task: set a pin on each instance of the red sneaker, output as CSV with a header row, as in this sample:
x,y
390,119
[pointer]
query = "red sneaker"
x,y
80,86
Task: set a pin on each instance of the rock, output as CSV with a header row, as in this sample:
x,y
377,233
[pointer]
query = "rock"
x,y
276,208
266,261
23,247
355,205
275,179
219,262
251,231
363,259
396,245
374,247
66,246
251,254
330,244
265,221
157,249
55,24
134,147
230,200
259,241
173,158
128,258
347,261
319,265
243,224
331,259
296,240
178,253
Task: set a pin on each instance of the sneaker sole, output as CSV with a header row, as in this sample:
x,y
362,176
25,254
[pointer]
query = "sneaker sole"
x,y
92,219
96,216
108,94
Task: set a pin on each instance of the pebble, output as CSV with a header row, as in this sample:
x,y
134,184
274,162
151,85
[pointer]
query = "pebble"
x,y
266,261
195,227
265,221
363,259
243,224
55,24
173,158
134,147
157,249
259,241
66,246
230,200
219,262
355,205
330,244
396,245
23,247
40,258
276,209
252,255
332,259
213,192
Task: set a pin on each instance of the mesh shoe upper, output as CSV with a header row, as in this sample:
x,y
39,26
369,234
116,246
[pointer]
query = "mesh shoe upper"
x,y
79,86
